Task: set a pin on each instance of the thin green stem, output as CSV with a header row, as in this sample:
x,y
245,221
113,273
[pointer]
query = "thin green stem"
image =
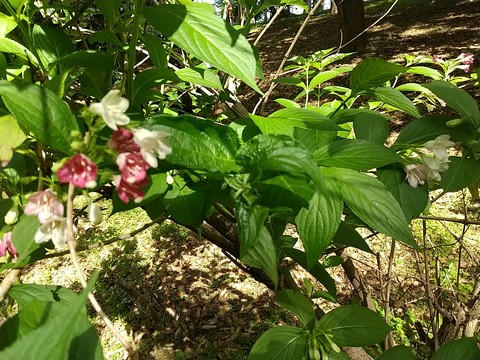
x,y
132,52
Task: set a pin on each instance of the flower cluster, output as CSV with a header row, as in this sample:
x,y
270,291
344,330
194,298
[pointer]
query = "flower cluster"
x,y
137,149
432,166
462,62
7,247
80,171
49,211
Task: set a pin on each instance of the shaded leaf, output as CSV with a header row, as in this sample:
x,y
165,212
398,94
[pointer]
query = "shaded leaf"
x,y
347,235
297,303
462,349
461,173
398,352
354,325
371,127
396,99
371,73
280,343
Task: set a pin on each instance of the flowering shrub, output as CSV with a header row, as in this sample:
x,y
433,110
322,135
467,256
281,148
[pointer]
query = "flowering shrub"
x,y
325,169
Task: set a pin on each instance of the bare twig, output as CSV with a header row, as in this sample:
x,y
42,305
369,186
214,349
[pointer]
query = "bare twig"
x,y
279,11
460,221
7,282
265,97
389,342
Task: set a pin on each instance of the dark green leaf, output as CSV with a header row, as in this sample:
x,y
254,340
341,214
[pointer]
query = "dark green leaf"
x,y
251,220
428,128
371,73
371,127
398,352
25,293
263,255
110,9
44,114
285,191
332,261
368,198
154,46
196,29
396,99
199,144
462,349
297,303
412,200
318,224
347,235
458,99
355,155
145,81
88,59
354,325
276,153
461,173
318,271
426,71
51,44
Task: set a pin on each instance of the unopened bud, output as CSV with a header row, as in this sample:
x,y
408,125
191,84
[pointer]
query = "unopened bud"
x,y
77,145
455,122
170,180
12,215
95,215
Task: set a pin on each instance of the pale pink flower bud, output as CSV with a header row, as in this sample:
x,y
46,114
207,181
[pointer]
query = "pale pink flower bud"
x,y
7,247
80,171
133,167
112,109
438,59
45,205
12,215
416,174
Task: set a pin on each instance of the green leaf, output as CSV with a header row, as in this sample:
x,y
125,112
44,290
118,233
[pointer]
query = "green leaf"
x,y
263,255
318,224
251,220
203,77
148,79
428,128
412,200
396,99
313,139
288,103
12,47
185,204
285,191
297,303
11,136
56,337
280,343
25,293
110,9
88,59
371,127
285,121
462,349
426,71
23,236
198,144
348,115
325,76
154,46
51,44
317,270
371,73
347,235
461,173
398,352
354,325
196,29
368,198
7,24
355,154
276,153
458,99
44,114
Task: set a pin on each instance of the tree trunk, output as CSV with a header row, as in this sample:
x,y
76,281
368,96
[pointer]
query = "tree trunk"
x,y
351,16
